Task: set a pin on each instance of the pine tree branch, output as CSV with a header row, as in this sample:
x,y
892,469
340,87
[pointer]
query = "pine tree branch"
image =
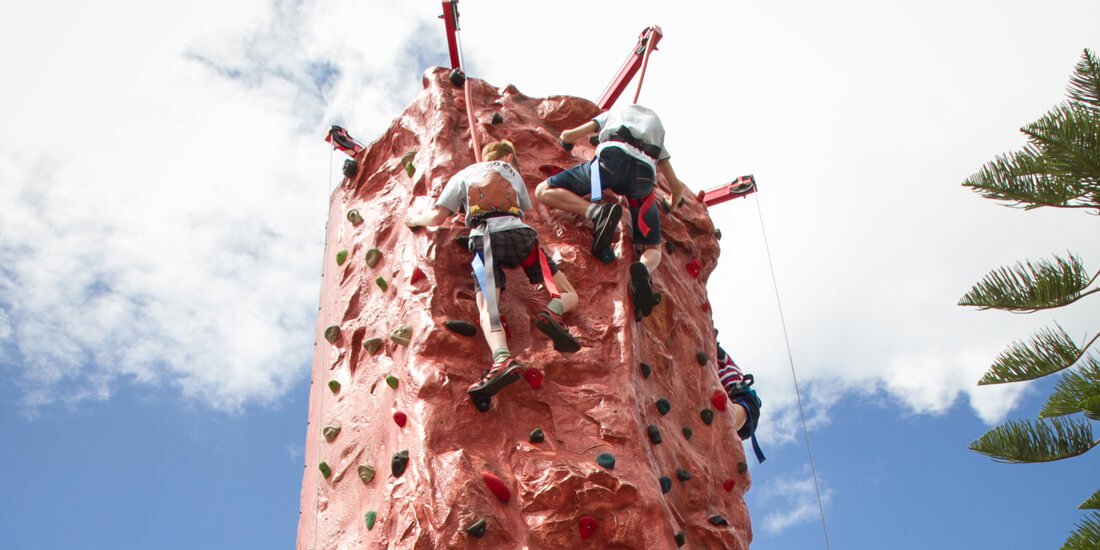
x,y
1086,536
1068,139
1029,287
1025,179
1093,502
1091,407
1027,441
1047,352
1084,84
1072,389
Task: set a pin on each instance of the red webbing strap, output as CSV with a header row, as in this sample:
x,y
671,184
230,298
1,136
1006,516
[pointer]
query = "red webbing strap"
x,y
643,206
547,277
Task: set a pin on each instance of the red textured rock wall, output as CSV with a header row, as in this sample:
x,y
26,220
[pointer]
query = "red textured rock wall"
x,y
595,401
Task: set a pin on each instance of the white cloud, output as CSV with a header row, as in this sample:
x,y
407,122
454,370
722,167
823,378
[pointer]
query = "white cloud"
x,y
790,501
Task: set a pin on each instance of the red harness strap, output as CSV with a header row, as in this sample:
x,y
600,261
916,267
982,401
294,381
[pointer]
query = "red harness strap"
x,y
537,255
643,205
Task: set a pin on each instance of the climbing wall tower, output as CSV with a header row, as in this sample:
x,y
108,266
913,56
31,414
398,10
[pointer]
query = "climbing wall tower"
x,y
625,444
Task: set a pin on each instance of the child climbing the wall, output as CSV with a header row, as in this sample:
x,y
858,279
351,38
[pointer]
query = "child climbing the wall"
x,y
739,388
494,197
630,151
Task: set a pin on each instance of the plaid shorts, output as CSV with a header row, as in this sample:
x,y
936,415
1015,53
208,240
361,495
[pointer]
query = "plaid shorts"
x,y
514,248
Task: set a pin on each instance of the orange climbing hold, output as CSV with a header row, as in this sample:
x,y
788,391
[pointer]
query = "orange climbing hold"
x,y
587,527
400,419
718,399
496,486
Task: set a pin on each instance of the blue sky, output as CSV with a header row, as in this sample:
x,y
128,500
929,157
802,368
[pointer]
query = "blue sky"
x,y
162,231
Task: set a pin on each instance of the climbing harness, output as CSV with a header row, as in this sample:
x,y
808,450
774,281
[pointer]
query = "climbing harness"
x,y
643,205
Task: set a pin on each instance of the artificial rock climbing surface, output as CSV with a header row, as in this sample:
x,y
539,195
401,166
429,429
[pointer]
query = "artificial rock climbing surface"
x,y
569,459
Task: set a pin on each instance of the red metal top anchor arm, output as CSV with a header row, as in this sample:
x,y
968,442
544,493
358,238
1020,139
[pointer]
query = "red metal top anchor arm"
x,y
740,187
450,20
646,41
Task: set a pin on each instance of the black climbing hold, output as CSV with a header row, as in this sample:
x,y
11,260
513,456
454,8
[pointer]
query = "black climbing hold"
x,y
707,415
654,434
742,467
717,520
718,233
334,386
372,345
681,538
457,77
399,462
594,140
663,406
701,357
666,484
670,247
325,469
606,460
646,369
498,118
461,327
537,436
687,432
682,474
482,404
332,333
606,255
477,528
462,241
351,168
566,146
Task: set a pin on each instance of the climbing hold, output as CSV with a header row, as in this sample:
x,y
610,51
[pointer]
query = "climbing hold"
x,y
646,369
687,432
587,526
392,381
666,484
694,268
330,433
355,217
366,473
477,528
482,403
594,139
341,257
325,469
496,486
701,357
351,168
381,283
373,255
533,377
497,118
606,256
398,463
681,538
718,399
457,77
371,517
718,233
717,520
663,406
334,386
537,436
728,485
332,334
742,467
461,328
400,419
705,307
606,460
670,247
707,415
372,345
682,474
654,434
402,335
416,276
410,168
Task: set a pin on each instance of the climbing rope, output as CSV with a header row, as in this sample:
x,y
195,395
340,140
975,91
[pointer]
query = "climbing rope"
x,y
321,403
790,359
649,45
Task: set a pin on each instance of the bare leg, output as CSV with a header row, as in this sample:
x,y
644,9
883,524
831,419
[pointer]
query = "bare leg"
x,y
496,340
740,416
651,257
568,293
562,199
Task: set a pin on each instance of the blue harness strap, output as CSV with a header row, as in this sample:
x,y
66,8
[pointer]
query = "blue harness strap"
x,y
597,185
486,280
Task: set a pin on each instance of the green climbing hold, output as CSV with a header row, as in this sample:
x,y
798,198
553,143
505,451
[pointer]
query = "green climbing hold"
x,y
663,406
392,381
687,432
402,335
330,433
366,473
701,358
537,436
373,255
707,415
325,470
654,434
341,257
477,528
681,538
682,474
332,334
461,327
606,460
382,283
334,386
742,467
717,520
646,369
666,484
410,169
372,345
407,162
371,517
355,217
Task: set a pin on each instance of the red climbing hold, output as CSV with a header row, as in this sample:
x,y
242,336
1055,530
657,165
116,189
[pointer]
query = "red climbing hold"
x,y
728,485
400,418
534,377
496,486
706,307
694,268
718,399
416,276
587,527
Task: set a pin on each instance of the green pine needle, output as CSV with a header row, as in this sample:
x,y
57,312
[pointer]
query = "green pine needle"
x,y
1093,502
1028,287
1072,389
1091,407
1087,534
1027,441
1084,85
1024,179
1048,351
1069,138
